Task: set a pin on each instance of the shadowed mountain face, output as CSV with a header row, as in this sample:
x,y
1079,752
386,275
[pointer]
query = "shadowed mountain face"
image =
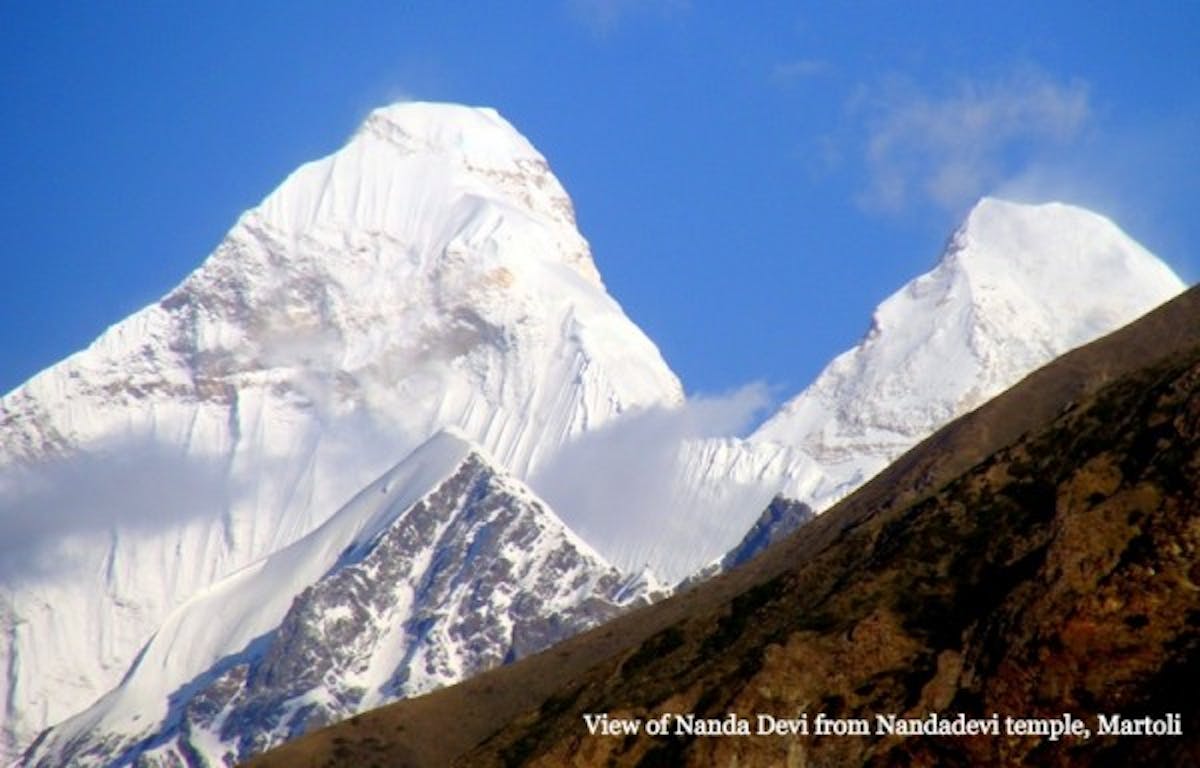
x,y
1038,557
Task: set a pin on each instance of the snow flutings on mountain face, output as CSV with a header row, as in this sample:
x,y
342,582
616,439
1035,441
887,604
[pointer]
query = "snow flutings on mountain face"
x,y
414,595
429,274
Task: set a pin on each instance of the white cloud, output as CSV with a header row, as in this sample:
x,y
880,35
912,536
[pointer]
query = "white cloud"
x,y
138,485
135,485
951,148
603,16
799,69
618,483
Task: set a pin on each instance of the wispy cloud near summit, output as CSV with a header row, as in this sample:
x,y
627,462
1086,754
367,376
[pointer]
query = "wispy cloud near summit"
x,y
950,148
603,16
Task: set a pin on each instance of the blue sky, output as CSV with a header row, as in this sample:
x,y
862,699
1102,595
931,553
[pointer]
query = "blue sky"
x,y
753,177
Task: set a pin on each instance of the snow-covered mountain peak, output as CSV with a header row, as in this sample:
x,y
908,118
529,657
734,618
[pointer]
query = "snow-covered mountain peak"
x,y
435,244
475,137
1018,285
426,275
420,170
1052,253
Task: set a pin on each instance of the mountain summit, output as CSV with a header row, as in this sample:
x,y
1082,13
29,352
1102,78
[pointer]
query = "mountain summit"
x,y
427,275
1017,286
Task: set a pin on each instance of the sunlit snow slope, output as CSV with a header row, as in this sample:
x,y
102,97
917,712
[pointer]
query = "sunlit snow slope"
x,y
1017,286
428,274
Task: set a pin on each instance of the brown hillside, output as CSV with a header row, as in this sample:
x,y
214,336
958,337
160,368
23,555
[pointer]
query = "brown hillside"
x,y
1035,557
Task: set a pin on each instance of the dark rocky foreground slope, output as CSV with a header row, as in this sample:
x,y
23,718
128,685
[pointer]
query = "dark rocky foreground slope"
x,y
1037,557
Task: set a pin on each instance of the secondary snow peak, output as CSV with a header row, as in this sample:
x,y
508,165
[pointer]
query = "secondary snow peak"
x,y
1017,286
1053,250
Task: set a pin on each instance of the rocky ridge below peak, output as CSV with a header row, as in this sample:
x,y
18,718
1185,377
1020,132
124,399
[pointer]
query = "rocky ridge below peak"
x,y
476,573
